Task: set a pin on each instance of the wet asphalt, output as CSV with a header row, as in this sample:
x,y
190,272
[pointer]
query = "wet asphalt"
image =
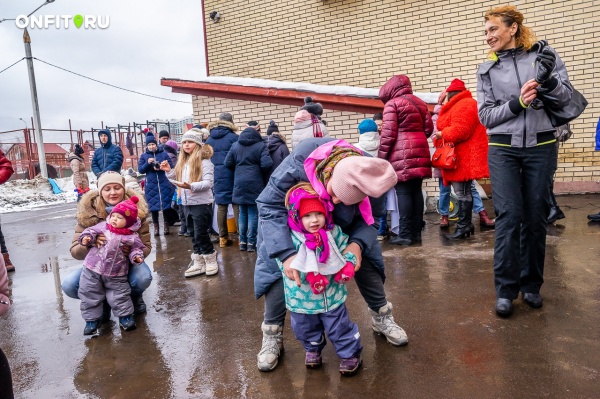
x,y
200,336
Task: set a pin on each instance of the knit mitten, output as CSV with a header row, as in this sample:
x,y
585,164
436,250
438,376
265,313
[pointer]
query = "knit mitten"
x,y
317,282
345,274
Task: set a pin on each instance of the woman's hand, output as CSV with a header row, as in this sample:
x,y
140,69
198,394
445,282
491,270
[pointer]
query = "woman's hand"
x,y
183,185
438,134
529,92
100,240
151,160
164,166
354,248
290,273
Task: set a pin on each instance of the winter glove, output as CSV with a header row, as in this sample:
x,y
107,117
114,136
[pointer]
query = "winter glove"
x,y
546,63
345,274
317,282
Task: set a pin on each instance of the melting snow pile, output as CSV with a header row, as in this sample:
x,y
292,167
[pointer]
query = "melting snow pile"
x,y
21,195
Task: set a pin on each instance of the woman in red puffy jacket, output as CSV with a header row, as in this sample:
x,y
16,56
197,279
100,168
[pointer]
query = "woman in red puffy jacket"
x,y
458,123
6,171
406,126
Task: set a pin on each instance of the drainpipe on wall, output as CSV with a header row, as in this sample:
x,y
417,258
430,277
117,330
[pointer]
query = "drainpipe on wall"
x,y
205,40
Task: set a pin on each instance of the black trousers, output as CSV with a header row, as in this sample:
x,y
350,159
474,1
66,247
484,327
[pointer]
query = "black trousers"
x,y
410,207
6,387
521,179
198,219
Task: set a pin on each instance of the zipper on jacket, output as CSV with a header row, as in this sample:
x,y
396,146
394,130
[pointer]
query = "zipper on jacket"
x,y
115,256
524,111
158,183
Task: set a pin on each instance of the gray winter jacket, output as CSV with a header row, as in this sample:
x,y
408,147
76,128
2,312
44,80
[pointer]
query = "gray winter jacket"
x,y
499,85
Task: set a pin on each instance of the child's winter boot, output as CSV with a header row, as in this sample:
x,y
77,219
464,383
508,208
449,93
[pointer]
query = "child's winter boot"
x,y
351,365
313,360
212,267
383,323
91,327
127,323
272,347
196,267
9,266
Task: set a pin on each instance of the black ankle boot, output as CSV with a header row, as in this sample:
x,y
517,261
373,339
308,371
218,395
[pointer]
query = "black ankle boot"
x,y
464,227
555,214
139,306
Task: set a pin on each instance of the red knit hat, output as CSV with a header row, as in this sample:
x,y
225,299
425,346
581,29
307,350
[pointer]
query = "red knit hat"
x,y
456,85
128,209
309,205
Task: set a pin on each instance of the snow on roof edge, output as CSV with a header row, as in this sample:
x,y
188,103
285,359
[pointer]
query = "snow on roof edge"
x,y
430,98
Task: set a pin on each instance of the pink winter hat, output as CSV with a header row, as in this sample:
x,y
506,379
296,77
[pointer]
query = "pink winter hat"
x,y
302,116
128,209
354,178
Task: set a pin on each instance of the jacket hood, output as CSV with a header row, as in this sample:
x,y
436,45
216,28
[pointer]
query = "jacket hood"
x,y
249,136
72,156
206,152
221,128
369,141
273,141
398,85
91,209
169,149
302,125
109,142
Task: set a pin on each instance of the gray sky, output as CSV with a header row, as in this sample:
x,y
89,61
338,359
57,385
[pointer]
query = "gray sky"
x,y
146,40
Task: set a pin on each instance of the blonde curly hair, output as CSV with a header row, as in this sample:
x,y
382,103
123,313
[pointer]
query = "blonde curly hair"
x,y
509,15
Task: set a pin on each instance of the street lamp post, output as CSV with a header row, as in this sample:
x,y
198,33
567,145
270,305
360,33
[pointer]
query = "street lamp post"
x,y
35,105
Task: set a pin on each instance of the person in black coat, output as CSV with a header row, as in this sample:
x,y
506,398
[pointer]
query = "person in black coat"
x,y
249,159
222,137
277,146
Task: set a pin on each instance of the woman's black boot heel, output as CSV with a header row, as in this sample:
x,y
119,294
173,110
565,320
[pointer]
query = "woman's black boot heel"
x,y
464,227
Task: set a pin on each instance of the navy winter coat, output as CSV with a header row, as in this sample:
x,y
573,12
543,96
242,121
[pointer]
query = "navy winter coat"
x,y
158,189
222,137
278,151
107,157
250,160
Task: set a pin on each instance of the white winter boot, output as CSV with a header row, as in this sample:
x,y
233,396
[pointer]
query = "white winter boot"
x,y
196,267
272,347
212,267
383,323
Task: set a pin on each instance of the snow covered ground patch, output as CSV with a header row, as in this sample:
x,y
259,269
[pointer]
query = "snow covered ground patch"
x,y
22,195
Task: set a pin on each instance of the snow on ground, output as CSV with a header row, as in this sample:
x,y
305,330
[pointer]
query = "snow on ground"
x,y
22,195
430,98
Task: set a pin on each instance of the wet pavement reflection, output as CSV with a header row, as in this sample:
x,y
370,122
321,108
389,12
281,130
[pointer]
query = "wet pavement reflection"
x,y
200,336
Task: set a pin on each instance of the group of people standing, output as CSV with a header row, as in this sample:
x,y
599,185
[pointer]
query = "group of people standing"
x,y
320,207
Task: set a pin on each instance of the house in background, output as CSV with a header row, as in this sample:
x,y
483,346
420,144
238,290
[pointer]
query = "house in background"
x,y
347,47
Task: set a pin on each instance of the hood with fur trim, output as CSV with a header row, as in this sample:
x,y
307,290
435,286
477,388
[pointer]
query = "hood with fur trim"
x,y
92,209
206,152
225,124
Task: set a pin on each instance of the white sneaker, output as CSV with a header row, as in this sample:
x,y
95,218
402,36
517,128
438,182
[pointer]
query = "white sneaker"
x,y
212,267
380,238
196,267
272,346
383,323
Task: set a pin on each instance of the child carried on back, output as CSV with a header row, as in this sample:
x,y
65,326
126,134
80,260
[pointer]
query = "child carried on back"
x,y
317,303
105,269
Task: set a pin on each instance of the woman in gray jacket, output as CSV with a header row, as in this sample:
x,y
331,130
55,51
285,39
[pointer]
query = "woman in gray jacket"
x,y
522,156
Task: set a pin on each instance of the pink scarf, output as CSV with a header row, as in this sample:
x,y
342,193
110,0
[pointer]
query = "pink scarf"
x,y
314,241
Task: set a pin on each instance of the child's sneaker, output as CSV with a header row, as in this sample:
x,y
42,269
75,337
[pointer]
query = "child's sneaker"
x,y
91,328
251,248
243,246
313,360
350,366
127,323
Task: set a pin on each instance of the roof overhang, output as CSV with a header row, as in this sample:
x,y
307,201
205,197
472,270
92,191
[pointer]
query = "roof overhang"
x,y
271,95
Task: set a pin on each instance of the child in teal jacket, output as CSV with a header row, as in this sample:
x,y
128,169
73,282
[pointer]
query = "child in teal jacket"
x,y
317,302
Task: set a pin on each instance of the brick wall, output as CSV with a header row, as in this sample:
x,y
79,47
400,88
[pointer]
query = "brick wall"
x,y
363,42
